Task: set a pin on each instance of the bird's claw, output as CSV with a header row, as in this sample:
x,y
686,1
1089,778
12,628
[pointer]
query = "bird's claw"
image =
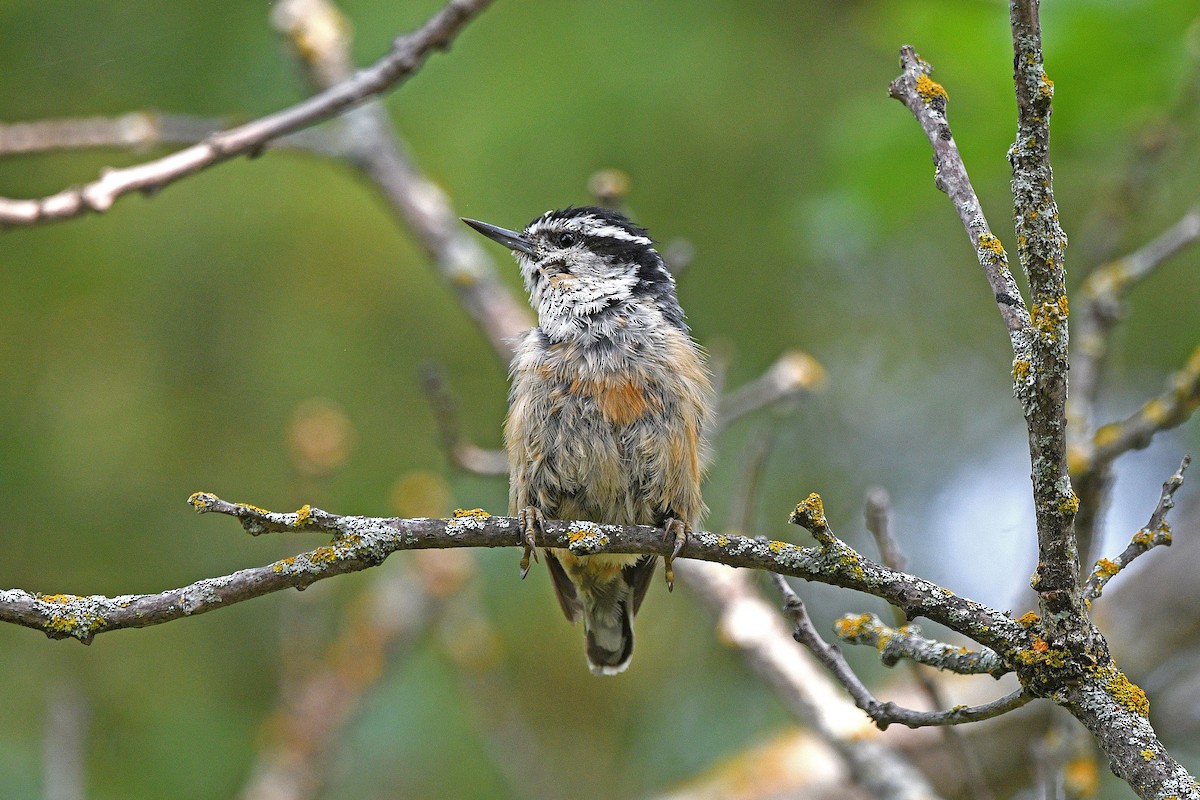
x,y
675,531
531,522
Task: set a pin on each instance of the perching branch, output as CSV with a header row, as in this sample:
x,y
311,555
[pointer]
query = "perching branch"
x,y
1156,532
408,53
363,542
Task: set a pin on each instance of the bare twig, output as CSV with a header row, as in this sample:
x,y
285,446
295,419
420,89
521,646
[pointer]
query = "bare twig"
x,y
320,37
293,762
1171,408
749,624
1100,307
883,714
1156,532
408,53
878,515
463,453
64,757
793,374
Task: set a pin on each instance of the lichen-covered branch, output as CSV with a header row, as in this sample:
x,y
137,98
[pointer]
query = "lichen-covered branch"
x,y
927,100
906,642
882,714
1041,245
1156,532
362,542
408,53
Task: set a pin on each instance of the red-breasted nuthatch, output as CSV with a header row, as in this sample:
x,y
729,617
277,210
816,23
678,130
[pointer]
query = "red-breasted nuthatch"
x,y
608,410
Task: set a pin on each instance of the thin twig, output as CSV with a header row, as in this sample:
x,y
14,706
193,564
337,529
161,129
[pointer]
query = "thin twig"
x,y
463,453
877,511
749,624
1155,532
883,714
791,375
408,53
743,501
320,37
141,130
1168,410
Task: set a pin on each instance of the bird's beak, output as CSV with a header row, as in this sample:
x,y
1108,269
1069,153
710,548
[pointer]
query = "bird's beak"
x,y
510,239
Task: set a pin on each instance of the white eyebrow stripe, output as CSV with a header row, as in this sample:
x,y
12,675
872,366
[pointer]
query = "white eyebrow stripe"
x,y
615,232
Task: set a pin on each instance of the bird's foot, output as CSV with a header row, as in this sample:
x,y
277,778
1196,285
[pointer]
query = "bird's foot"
x,y
532,521
675,532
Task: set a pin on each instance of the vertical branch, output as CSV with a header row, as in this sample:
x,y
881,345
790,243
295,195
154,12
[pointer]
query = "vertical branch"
x,y
1041,246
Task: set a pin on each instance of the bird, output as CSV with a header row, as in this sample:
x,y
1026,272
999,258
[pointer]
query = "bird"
x,y
609,407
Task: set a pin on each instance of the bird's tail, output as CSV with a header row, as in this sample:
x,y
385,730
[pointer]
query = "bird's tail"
x,y
608,624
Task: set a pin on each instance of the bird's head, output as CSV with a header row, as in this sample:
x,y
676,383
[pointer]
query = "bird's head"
x,y
588,271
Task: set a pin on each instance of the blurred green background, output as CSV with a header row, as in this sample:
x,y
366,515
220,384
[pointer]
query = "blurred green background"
x,y
171,344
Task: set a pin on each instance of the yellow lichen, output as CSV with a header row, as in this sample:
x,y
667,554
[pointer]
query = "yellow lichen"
x,y
303,516
1148,755
1155,411
991,244
200,500
58,598
1124,691
929,89
323,555
1069,505
850,563
1106,435
281,565
813,509
255,509
851,627
1028,619
1020,371
1046,90
1048,316
1042,654
776,546
474,513
722,540
1107,568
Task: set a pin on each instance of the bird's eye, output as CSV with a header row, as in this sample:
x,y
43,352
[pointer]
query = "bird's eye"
x,y
565,239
